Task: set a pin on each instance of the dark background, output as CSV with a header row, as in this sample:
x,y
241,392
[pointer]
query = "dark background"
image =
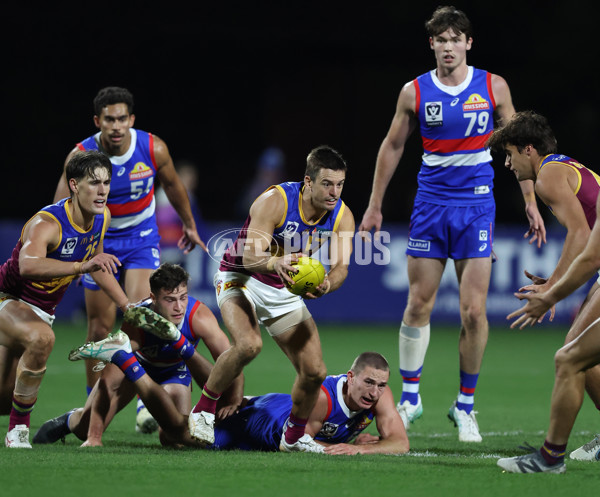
x,y
220,82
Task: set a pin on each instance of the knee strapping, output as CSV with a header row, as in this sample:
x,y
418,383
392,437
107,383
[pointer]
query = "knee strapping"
x,y
27,383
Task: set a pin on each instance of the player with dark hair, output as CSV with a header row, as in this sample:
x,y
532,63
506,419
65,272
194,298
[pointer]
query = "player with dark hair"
x,y
181,322
453,106
250,286
571,191
345,406
138,158
572,362
59,243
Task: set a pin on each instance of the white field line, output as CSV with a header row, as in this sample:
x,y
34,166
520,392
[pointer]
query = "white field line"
x,y
492,434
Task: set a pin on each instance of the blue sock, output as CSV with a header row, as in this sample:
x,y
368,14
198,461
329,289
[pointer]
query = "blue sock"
x,y
466,397
410,385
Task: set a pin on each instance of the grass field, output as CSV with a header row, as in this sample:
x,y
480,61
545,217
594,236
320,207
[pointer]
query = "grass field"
x,y
512,398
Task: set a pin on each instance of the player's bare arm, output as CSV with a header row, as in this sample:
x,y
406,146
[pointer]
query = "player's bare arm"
x,y
200,368
504,111
585,265
317,416
102,267
177,195
340,251
392,439
265,214
41,235
62,188
556,189
390,153
105,267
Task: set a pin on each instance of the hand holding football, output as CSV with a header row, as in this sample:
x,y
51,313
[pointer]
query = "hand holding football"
x,y
310,275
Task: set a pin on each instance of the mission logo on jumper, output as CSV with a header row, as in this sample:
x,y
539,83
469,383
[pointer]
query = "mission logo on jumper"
x,y
422,245
476,102
69,246
140,171
433,114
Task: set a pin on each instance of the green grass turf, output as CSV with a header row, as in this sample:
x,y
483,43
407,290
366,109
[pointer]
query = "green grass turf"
x,y
512,398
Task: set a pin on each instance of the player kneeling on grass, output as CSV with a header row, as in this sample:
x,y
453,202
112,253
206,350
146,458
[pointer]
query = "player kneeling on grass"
x,y
164,342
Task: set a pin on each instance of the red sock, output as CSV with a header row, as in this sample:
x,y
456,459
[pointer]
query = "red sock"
x,y
294,429
20,413
208,401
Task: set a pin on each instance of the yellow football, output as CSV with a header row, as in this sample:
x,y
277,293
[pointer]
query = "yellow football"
x,y
310,275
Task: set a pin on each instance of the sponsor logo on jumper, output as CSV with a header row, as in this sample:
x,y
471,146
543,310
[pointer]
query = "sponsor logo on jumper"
x,y
476,102
140,171
481,190
87,240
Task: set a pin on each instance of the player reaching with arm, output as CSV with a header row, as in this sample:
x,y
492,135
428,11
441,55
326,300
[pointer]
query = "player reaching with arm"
x,y
572,361
59,243
164,331
570,190
138,158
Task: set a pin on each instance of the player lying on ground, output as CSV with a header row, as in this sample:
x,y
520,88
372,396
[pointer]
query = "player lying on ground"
x,y
356,399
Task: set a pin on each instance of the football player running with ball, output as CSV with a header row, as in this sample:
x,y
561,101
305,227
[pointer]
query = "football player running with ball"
x,y
250,286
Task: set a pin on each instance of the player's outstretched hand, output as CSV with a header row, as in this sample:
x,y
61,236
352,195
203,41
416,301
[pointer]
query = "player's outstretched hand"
x,y
532,312
366,438
372,219
537,229
342,450
101,262
540,285
536,280
189,240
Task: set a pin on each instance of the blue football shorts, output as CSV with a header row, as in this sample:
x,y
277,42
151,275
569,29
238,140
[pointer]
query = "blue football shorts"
x,y
134,252
178,373
451,231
